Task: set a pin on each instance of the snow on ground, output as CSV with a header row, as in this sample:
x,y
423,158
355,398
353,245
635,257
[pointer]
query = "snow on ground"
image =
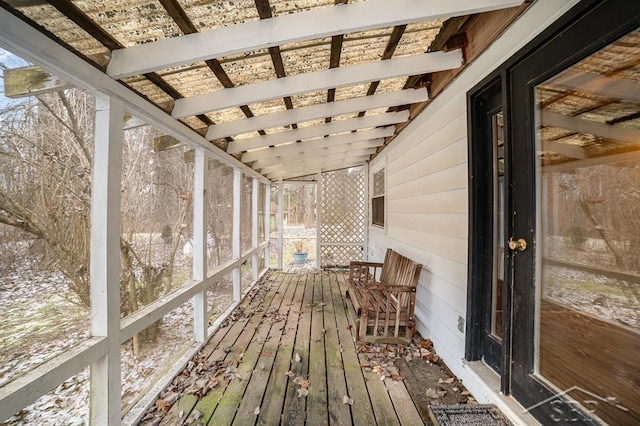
x,y
41,320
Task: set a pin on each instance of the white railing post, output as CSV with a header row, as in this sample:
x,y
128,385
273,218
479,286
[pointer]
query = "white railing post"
x,y
105,379
267,224
280,220
200,243
235,234
254,228
318,219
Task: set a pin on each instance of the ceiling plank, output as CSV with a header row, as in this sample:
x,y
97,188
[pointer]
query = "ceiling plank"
x,y
595,128
318,131
267,156
319,143
313,112
284,29
319,80
310,163
316,153
597,84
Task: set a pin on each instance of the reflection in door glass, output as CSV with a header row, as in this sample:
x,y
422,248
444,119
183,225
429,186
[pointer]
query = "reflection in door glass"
x,y
498,224
588,197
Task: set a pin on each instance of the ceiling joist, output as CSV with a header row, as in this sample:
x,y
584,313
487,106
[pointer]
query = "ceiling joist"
x,y
314,112
299,149
596,84
304,171
318,131
318,153
285,29
318,143
603,130
319,80
309,161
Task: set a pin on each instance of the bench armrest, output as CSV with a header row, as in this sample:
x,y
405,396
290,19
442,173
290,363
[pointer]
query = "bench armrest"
x,y
390,287
358,263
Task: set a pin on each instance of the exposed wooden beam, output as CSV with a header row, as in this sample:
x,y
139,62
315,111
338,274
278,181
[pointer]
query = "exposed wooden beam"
x,y
311,163
318,131
267,156
165,142
30,81
568,150
319,80
604,130
311,157
313,112
596,84
180,17
284,29
319,143
303,171
30,44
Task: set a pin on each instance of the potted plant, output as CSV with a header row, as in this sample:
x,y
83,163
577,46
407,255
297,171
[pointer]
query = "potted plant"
x,y
299,256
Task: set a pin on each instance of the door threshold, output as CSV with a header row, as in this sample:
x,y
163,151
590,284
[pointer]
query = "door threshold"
x,y
490,381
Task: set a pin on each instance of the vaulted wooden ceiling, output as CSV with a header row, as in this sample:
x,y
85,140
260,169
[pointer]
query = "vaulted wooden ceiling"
x,y
288,87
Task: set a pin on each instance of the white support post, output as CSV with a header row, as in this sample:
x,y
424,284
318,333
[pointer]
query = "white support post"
x,y
267,224
318,219
365,249
200,244
254,227
105,382
235,234
280,223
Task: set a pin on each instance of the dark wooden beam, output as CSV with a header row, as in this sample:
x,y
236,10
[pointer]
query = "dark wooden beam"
x,y
81,19
182,20
264,12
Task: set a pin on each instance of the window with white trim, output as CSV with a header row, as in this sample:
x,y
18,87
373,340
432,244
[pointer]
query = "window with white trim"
x,y
377,198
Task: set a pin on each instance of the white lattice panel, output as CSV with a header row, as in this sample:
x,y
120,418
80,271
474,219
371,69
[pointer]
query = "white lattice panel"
x,y
343,217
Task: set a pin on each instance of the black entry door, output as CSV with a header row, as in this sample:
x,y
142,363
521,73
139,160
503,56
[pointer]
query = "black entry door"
x,y
572,165
488,226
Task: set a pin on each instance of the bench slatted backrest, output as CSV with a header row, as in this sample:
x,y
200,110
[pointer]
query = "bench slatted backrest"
x,y
388,265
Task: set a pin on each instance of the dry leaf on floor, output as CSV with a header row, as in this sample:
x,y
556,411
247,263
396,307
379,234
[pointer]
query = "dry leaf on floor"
x,y
431,393
163,405
304,383
347,400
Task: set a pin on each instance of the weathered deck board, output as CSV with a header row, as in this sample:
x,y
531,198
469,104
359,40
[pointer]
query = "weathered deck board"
x,y
301,315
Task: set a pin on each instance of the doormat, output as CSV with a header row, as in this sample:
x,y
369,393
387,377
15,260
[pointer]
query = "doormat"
x,y
467,415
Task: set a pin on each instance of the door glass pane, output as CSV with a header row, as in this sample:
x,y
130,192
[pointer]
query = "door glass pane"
x,y
498,224
588,242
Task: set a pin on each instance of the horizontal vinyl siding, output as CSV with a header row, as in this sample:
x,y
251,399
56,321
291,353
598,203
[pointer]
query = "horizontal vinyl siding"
x,y
427,195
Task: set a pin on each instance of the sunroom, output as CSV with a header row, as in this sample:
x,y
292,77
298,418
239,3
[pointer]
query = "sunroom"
x,y
161,160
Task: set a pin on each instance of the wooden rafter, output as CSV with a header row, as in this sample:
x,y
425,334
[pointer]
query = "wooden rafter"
x,y
264,11
313,112
317,143
319,80
181,19
321,130
279,30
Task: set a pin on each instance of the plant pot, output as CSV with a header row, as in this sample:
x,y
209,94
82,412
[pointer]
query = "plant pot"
x,y
299,258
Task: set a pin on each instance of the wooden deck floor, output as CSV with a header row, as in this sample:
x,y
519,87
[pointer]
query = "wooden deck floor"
x,y
294,327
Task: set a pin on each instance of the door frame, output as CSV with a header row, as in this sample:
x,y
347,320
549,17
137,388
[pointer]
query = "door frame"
x,y
585,29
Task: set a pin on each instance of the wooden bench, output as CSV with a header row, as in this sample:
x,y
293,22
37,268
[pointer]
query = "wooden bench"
x,y
384,297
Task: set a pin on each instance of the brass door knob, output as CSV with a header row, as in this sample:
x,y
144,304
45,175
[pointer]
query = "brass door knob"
x,y
520,244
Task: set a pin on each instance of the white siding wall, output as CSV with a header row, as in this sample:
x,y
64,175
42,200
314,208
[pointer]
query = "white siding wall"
x,y
427,196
